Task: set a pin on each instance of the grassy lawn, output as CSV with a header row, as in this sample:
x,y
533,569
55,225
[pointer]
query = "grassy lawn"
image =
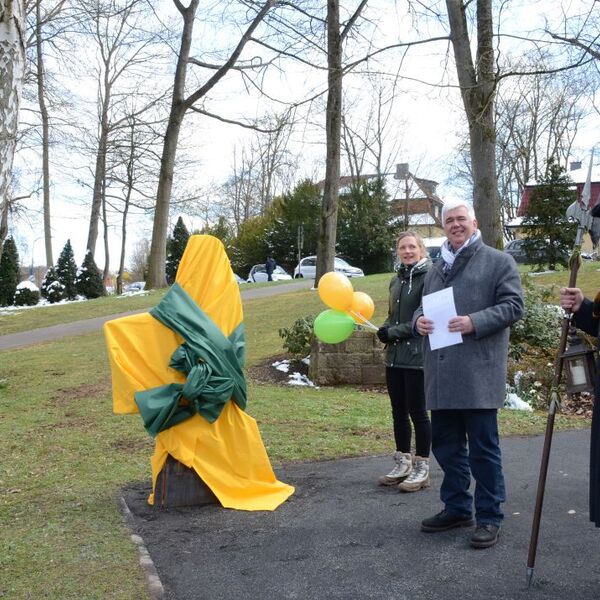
x,y
66,455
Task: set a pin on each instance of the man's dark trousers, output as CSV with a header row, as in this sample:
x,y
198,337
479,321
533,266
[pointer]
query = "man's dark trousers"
x,y
450,431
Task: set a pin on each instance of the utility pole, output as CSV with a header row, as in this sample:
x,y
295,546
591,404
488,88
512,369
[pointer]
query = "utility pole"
x,y
402,172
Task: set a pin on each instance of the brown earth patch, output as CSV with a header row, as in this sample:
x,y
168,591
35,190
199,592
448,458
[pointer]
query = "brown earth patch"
x,y
129,445
86,391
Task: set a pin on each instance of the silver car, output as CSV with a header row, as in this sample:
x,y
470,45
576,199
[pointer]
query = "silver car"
x,y
307,267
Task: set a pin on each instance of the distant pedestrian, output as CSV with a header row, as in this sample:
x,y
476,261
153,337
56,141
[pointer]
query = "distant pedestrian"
x,y
465,383
270,267
404,367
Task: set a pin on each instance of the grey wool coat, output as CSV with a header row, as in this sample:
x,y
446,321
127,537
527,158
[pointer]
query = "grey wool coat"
x,y
487,287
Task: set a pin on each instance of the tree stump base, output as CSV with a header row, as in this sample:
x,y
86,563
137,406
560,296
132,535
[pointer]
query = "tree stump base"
x,y
178,485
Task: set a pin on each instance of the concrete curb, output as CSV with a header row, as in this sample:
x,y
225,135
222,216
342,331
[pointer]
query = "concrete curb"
x,y
153,582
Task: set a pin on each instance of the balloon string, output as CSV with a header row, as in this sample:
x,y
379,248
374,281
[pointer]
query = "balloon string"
x,y
364,321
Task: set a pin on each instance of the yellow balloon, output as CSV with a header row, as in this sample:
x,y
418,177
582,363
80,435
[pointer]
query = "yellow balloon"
x,y
336,291
362,307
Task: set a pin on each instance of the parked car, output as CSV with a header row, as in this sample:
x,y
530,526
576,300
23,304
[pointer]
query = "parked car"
x,y
136,286
516,248
434,247
259,273
238,279
307,267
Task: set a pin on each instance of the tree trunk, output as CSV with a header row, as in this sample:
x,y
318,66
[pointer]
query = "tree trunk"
x,y
158,249
333,121
12,68
41,87
477,90
100,170
180,104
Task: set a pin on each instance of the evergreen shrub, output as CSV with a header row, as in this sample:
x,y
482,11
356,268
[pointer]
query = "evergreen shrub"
x,y
10,274
89,281
52,289
175,248
66,271
27,294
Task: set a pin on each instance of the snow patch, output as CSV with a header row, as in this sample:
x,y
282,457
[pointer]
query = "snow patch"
x,y
294,378
513,402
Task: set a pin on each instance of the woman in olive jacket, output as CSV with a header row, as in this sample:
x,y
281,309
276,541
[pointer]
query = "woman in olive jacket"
x,y
404,367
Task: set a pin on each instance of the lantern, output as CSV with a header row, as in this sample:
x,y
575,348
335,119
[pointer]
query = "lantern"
x,y
578,361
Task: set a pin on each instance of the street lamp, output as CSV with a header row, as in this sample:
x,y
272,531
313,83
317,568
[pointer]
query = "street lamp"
x,y
402,172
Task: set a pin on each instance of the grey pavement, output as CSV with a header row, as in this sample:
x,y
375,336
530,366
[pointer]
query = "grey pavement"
x,y
340,536
45,334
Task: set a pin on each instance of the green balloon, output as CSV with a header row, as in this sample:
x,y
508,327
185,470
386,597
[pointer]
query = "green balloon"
x,y
333,326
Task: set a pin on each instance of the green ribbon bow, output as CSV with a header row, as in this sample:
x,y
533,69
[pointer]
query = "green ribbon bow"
x,y
213,365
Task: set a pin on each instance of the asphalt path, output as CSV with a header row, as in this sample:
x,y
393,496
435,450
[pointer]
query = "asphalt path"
x,y
341,536
44,334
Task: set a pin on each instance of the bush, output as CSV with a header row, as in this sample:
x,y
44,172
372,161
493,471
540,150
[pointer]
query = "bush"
x,y
298,338
27,294
534,342
52,289
89,279
538,332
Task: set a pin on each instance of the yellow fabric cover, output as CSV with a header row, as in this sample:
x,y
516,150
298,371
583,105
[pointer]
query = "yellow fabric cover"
x,y
228,455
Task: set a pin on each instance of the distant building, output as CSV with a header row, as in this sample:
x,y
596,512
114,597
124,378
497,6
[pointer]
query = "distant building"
x,y
578,174
421,206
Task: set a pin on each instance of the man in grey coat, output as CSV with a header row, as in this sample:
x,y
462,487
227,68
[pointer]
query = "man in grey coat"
x,y
465,384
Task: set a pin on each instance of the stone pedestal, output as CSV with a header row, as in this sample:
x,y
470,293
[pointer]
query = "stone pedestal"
x,y
358,360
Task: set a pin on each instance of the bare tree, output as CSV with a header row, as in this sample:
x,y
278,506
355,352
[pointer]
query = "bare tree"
x,y
181,103
477,79
333,124
126,45
46,24
12,68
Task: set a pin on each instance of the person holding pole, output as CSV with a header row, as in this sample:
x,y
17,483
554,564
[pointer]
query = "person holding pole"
x,y
586,316
404,367
465,379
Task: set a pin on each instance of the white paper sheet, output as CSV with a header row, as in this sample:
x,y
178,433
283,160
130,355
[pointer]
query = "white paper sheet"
x,y
439,307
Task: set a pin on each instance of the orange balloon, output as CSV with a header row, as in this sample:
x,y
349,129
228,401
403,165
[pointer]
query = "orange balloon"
x,y
336,290
362,307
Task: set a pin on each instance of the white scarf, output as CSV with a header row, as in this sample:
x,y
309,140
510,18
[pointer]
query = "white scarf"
x,y
449,254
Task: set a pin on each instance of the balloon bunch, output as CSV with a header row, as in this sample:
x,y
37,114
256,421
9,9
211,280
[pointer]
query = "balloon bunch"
x,y
346,307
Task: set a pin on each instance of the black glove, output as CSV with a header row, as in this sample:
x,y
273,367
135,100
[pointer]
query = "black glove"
x,y
383,335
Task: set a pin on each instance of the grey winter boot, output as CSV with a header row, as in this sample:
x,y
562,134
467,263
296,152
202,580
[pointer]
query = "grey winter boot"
x,y
401,469
418,478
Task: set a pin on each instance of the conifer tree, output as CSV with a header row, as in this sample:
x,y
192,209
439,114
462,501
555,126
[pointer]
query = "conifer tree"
x,y
549,235
175,248
52,289
66,271
10,273
89,279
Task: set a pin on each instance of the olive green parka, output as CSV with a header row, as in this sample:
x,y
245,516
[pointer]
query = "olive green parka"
x,y
404,350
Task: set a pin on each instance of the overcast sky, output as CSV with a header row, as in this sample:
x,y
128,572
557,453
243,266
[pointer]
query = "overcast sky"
x,y
429,122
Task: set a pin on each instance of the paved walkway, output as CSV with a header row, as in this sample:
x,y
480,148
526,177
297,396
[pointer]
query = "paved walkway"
x,y
340,536
44,334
